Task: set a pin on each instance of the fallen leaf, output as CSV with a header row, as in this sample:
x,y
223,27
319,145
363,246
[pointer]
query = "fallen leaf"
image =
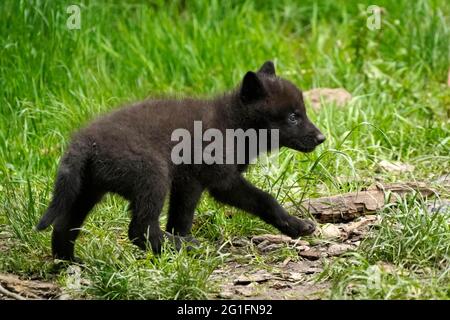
x,y
357,226
339,248
286,261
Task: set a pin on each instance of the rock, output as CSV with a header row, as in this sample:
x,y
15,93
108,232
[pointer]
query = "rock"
x,y
310,254
278,285
226,294
239,243
313,270
263,244
258,276
274,238
246,291
296,276
338,96
304,266
303,248
64,296
299,243
338,249
270,242
242,280
330,231
395,166
271,247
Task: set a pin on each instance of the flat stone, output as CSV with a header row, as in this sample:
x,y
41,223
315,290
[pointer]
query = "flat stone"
x,y
258,276
338,249
310,254
330,231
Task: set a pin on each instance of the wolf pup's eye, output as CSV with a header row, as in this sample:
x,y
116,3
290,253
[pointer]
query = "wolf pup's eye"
x,y
293,118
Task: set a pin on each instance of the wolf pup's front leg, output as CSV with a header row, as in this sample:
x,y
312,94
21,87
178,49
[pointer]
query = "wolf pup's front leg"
x,y
241,194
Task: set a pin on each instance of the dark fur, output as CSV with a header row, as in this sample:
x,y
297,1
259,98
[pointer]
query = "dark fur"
x,y
128,152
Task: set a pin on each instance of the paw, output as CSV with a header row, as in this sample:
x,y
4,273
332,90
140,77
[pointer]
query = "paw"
x,y
62,264
298,227
65,257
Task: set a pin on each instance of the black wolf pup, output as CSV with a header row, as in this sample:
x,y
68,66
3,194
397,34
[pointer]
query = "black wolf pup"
x,y
128,152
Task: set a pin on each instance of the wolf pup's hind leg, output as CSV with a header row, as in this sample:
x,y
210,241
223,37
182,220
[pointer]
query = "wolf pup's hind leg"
x,y
67,187
72,200
67,226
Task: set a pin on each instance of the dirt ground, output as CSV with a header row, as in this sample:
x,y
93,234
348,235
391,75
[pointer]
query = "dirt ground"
x,y
238,278
295,277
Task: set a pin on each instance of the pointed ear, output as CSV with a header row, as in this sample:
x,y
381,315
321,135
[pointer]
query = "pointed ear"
x,y
252,88
267,68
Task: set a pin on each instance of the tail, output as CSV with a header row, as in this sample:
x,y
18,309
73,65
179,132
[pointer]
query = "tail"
x,y
67,187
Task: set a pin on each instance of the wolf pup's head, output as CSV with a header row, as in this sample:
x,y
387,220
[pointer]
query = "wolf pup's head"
x,y
275,103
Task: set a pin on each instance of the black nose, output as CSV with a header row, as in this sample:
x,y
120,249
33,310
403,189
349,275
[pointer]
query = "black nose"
x,y
320,138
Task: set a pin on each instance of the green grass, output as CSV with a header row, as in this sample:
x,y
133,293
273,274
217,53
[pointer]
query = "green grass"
x,y
53,80
406,258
